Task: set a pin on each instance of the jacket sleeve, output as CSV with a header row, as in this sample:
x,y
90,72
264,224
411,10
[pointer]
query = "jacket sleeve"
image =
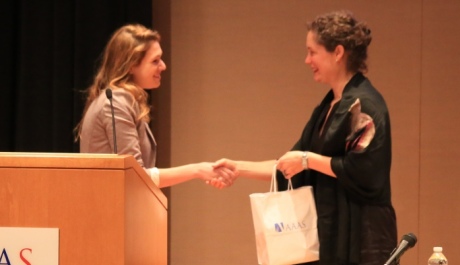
x,y
364,169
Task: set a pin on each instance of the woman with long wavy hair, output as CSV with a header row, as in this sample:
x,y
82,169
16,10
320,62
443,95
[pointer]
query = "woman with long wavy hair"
x,y
131,64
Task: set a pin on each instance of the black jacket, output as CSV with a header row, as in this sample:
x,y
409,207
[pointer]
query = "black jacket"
x,y
356,221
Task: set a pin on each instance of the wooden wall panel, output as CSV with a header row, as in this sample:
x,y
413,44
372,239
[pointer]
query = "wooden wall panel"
x,y
440,130
239,89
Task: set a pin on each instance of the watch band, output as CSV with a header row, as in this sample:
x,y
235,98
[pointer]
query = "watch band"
x,y
305,160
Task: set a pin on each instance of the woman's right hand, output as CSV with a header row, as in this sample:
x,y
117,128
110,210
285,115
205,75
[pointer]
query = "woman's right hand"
x,y
226,172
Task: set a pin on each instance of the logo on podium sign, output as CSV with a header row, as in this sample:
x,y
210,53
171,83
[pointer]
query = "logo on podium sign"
x,y
29,246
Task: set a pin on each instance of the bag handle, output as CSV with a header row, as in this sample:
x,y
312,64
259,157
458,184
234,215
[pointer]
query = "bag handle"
x,y
274,183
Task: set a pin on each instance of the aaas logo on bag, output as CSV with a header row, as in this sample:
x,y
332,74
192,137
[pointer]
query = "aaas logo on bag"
x,y
280,227
29,246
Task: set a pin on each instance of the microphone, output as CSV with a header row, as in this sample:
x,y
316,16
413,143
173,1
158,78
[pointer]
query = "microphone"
x,y
108,93
407,242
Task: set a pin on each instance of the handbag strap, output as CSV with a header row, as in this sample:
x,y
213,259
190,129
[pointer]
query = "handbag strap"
x,y
289,187
274,183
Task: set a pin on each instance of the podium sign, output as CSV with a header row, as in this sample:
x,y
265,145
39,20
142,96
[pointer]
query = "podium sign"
x,y
106,207
23,245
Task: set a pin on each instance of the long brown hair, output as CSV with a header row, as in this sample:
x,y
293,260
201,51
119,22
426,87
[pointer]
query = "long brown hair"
x,y
125,49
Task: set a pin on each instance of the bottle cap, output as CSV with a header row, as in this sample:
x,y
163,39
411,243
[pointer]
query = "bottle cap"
x,y
437,249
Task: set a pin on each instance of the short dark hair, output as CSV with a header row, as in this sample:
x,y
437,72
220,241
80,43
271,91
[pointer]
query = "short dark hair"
x,y
342,28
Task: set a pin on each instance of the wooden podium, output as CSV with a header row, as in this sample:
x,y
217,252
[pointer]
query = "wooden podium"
x,y
107,209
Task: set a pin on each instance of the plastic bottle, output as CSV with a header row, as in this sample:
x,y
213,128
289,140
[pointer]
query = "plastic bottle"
x,y
437,258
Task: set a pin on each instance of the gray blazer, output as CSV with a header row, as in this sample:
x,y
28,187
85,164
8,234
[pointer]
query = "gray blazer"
x,y
133,137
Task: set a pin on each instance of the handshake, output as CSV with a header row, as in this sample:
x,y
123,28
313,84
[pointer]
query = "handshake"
x,y
220,174
224,172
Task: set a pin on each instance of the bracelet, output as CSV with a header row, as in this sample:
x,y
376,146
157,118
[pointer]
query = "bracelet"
x,y
305,160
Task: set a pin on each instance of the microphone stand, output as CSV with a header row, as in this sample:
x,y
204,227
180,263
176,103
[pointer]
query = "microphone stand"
x,y
108,93
396,261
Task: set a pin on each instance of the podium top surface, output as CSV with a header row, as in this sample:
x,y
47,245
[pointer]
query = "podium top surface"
x,y
66,160
78,161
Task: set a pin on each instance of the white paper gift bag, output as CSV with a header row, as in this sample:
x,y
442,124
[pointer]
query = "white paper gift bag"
x,y
285,225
